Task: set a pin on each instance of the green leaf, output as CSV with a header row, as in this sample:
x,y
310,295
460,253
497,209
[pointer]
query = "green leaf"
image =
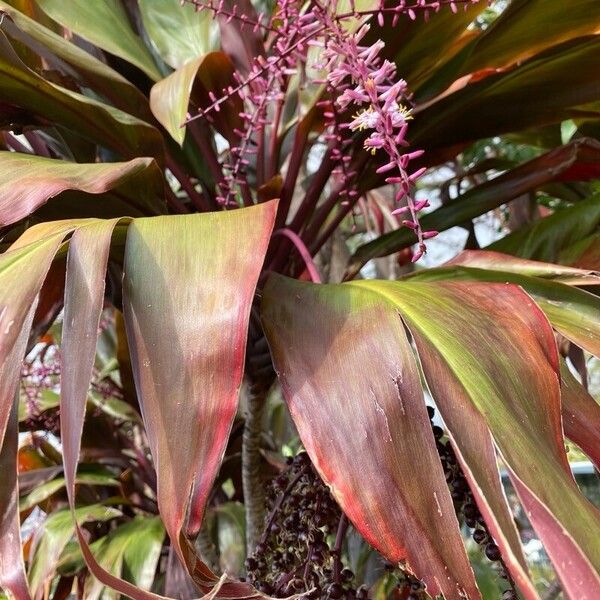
x,y
90,118
524,28
483,198
573,312
541,90
131,551
52,538
490,360
89,70
496,261
115,408
45,490
106,25
581,415
219,257
170,97
585,254
352,386
179,32
30,181
546,238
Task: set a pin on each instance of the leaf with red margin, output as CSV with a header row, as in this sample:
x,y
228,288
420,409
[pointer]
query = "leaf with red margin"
x,y
497,261
188,287
352,385
573,312
30,181
493,343
581,415
12,568
22,271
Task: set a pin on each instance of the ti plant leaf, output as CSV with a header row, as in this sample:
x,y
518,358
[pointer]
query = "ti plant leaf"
x,y
489,358
105,24
353,389
30,181
573,312
179,33
545,239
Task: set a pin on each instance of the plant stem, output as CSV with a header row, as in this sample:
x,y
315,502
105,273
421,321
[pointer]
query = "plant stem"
x,y
254,492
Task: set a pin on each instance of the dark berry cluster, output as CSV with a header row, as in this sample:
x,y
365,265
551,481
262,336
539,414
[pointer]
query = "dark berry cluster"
x,y
300,549
407,587
466,508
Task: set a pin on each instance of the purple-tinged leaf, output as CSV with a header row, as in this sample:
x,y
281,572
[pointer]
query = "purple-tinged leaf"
x,y
573,312
12,568
188,287
30,181
496,261
581,415
352,385
495,346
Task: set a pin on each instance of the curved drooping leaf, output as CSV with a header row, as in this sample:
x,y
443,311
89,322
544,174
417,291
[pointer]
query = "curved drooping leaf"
x,y
546,238
98,122
30,181
481,199
179,32
496,261
490,347
73,61
541,90
211,282
352,385
581,415
523,29
22,272
106,25
573,312
170,97
130,551
12,568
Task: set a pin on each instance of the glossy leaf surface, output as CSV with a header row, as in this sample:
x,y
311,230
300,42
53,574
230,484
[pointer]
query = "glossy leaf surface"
x,y
572,311
188,388
30,181
87,69
90,118
179,32
493,343
352,386
106,25
546,238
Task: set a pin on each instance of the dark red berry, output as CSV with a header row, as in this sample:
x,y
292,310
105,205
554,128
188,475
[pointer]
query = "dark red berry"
x,y
479,536
493,552
335,591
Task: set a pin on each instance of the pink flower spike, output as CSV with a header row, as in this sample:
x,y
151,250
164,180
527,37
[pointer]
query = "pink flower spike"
x,y
400,210
410,224
421,204
416,256
427,235
386,168
417,174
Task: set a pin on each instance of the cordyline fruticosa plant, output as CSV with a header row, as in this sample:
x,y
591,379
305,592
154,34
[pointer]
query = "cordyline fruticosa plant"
x,y
123,119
